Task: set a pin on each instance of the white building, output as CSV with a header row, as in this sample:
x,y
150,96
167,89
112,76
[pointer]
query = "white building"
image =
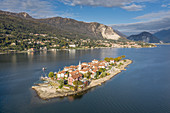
x,y
95,61
112,61
72,45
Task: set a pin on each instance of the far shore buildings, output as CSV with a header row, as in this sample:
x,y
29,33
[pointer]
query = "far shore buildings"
x,y
78,73
72,45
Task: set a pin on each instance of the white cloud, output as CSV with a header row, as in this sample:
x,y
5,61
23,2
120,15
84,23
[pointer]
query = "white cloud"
x,y
36,8
105,3
151,22
160,14
165,5
125,4
133,7
151,26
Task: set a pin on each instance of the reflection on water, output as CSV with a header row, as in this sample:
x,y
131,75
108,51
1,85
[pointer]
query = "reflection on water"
x,y
142,88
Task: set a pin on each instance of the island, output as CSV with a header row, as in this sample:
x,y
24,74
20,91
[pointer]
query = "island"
x,y
73,80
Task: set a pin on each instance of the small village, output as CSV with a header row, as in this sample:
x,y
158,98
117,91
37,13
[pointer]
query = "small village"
x,y
80,76
73,80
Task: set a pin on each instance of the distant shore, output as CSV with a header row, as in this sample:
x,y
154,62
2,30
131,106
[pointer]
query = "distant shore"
x,y
14,51
48,92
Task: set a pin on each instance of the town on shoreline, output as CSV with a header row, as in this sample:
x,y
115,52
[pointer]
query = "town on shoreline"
x,y
44,42
75,79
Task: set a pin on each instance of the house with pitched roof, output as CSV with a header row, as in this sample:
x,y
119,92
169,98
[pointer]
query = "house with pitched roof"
x,y
74,76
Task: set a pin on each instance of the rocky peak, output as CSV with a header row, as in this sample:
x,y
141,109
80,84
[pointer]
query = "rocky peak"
x,y
24,15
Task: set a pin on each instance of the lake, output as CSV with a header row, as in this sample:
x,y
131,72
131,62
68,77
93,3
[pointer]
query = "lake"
x,y
143,88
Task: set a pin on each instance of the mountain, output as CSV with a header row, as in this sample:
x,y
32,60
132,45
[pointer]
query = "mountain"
x,y
21,15
64,26
93,29
145,37
163,35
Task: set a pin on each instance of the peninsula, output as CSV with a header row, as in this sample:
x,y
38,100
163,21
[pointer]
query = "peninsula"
x,y
73,80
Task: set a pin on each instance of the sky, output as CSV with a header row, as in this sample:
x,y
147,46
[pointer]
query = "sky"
x,y
127,16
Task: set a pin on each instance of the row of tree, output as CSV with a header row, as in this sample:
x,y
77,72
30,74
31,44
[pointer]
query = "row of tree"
x,y
115,59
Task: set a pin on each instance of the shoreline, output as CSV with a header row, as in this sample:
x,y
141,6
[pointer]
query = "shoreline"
x,y
49,92
13,52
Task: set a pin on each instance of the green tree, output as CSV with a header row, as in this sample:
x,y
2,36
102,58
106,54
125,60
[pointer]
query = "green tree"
x,y
77,83
51,74
123,56
56,76
61,82
107,59
103,74
88,74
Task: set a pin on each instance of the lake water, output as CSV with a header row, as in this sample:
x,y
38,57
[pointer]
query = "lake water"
x,y
143,88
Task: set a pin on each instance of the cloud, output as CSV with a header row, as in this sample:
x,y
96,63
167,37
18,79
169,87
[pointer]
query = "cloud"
x,y
156,15
151,22
36,8
105,3
165,5
151,26
125,4
133,7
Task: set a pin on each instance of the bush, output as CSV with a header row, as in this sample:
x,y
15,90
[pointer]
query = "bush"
x,y
103,74
56,76
61,82
123,56
108,59
51,74
60,86
108,74
77,83
102,70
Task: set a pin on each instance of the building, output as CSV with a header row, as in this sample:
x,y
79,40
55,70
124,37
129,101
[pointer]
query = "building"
x,y
95,61
112,61
84,71
61,74
73,76
72,45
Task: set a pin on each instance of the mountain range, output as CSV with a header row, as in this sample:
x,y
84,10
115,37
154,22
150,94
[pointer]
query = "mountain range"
x,y
163,35
145,37
65,27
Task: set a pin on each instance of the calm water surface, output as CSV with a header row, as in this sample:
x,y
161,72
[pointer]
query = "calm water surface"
x,y
143,88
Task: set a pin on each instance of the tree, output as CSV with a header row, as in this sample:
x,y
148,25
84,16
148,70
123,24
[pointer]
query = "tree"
x,y
102,70
77,83
107,59
88,74
103,74
123,56
97,74
61,82
56,76
51,74
118,59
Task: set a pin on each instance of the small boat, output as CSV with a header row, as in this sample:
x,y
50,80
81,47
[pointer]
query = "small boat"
x,y
43,68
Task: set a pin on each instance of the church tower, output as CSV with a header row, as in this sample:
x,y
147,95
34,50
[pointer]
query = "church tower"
x,y
79,68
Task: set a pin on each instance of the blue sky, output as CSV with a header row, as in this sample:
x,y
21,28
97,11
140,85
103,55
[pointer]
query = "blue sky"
x,y
127,16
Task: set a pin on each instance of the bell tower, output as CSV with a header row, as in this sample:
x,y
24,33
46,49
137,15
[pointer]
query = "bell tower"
x,y
79,68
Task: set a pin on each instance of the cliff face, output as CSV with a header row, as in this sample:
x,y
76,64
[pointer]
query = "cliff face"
x,y
105,31
145,37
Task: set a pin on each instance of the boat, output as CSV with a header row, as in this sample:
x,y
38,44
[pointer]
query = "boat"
x,y
43,68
